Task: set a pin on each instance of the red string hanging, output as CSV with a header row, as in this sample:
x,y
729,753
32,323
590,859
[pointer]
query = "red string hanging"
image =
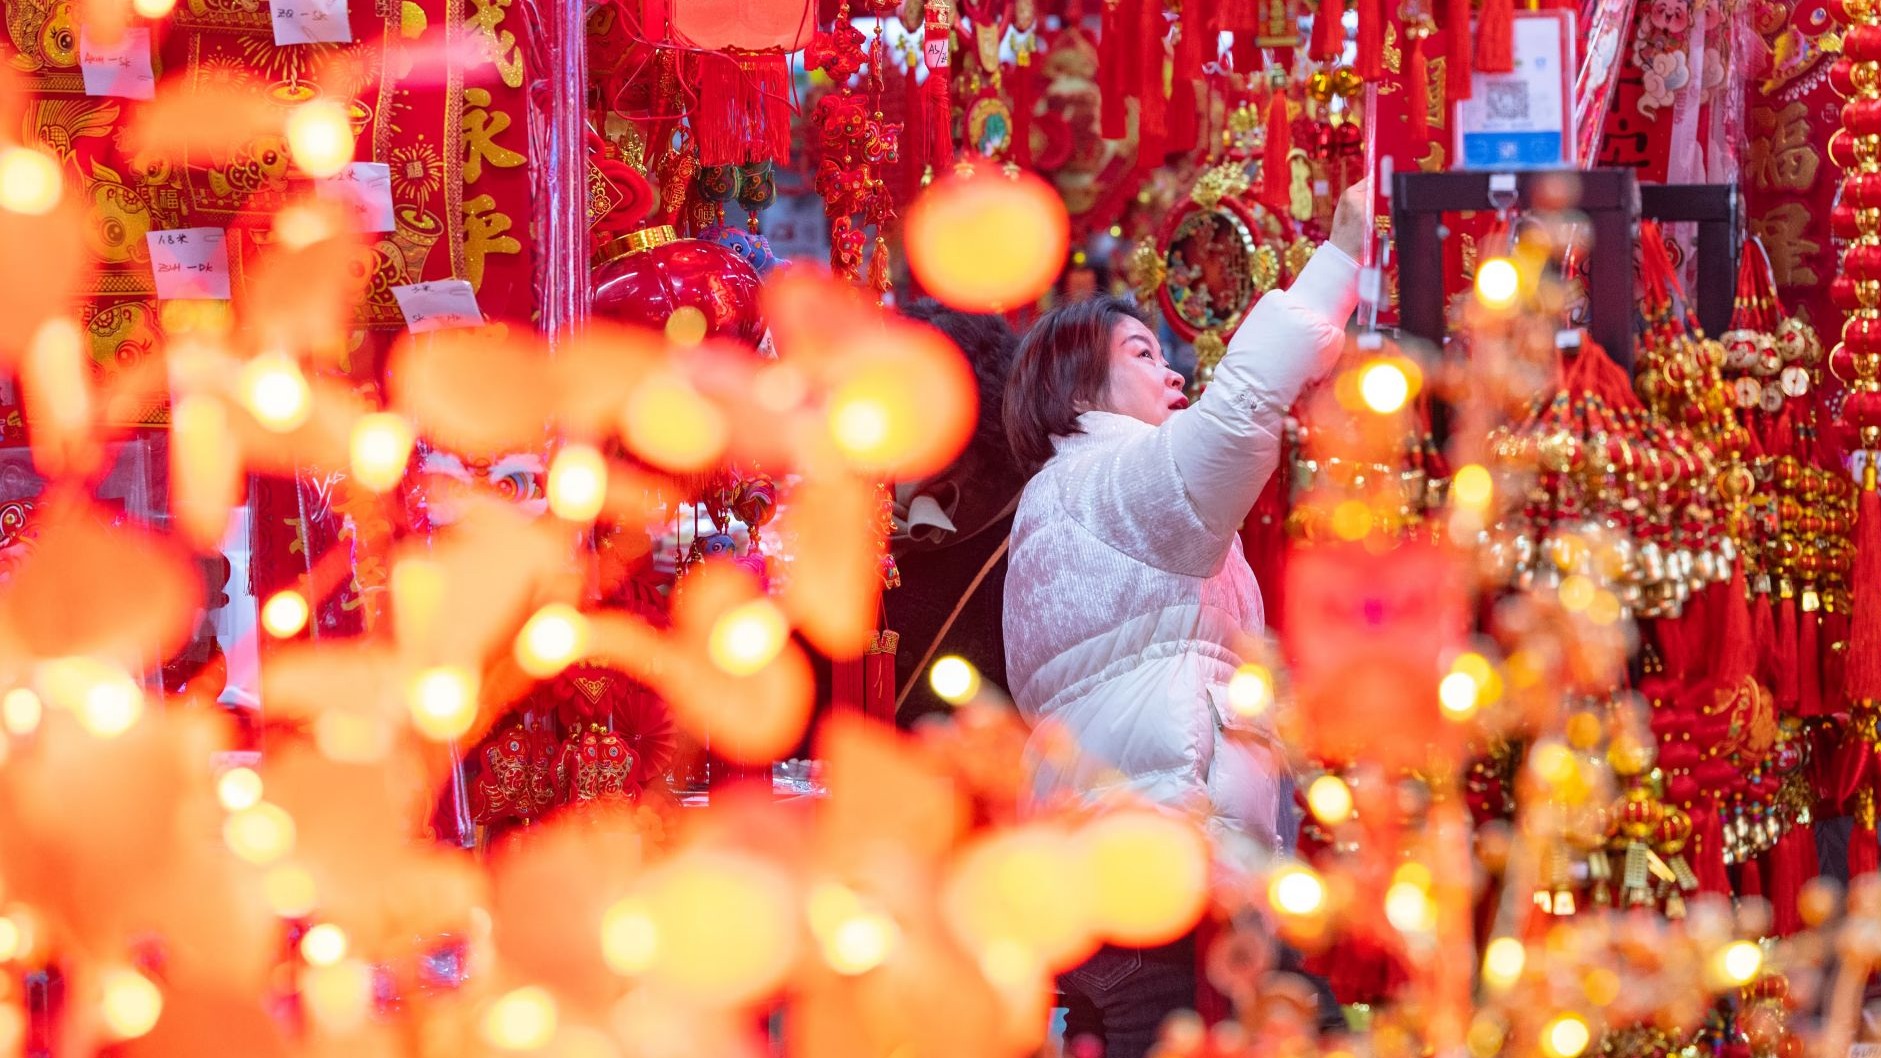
x,y
1495,37
1458,61
1417,85
1328,31
742,110
1276,170
1370,61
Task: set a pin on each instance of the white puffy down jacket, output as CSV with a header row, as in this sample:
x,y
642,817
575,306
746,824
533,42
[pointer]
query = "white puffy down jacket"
x,y
1128,600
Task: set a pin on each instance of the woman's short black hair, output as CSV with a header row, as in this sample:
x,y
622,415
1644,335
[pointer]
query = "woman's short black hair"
x,y
1063,370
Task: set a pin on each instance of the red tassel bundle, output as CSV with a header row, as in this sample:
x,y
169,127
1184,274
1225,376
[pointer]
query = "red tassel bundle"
x,y
1495,37
1809,664
938,119
1790,865
1417,85
1152,113
1458,61
1114,75
1783,673
1370,62
1276,169
1861,680
1328,31
742,110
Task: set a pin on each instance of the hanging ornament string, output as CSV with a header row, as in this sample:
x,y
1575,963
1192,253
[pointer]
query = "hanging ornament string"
x,y
1371,268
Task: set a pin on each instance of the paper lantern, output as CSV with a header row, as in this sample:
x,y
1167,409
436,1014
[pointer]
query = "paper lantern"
x,y
643,278
987,242
745,25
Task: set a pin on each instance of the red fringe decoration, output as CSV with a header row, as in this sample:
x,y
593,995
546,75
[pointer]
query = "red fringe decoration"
x,y
1152,115
1862,680
935,94
1762,632
1370,63
1417,87
1115,77
1024,100
1783,682
1790,864
1708,849
742,110
1495,37
1183,126
1456,17
1750,878
1809,664
1247,53
1328,31
1276,171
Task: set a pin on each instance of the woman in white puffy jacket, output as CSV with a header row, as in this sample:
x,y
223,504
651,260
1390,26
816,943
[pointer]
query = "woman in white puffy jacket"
x,y
1128,601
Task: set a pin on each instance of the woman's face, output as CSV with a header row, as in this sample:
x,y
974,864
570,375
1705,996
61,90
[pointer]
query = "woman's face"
x,y
1142,384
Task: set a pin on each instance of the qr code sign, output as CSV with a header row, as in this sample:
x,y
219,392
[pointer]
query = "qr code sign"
x,y
1508,101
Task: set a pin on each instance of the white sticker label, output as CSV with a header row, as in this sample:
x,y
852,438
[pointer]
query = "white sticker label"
x,y
935,53
439,304
364,191
310,22
190,263
122,69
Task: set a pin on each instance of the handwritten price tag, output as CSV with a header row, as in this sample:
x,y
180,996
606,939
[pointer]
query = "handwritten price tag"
x,y
935,53
122,69
190,263
364,190
439,304
310,22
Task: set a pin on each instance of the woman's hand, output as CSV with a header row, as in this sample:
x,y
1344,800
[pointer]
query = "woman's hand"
x,y
1348,221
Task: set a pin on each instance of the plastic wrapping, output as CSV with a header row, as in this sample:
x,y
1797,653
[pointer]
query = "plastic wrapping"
x,y
557,61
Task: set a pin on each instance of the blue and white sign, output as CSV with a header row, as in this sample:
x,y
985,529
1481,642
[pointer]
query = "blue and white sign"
x,y
1520,119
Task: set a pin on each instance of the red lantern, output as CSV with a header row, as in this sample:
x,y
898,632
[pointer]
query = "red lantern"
x,y
1842,77
1843,222
1841,361
1862,116
1862,43
1862,335
1862,410
1842,292
644,277
1863,260
1862,190
1842,148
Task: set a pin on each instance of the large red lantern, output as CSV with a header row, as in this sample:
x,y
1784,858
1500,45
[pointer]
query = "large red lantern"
x,y
647,275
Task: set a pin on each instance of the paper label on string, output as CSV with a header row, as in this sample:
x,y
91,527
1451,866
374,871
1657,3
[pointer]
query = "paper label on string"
x,y
438,305
310,22
364,191
122,69
1371,285
1520,119
190,263
935,53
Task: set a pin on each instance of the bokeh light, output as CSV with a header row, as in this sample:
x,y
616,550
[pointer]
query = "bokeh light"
x,y
1251,690
131,1004
443,702
552,639
1472,487
153,8
381,448
21,710
1566,1036
954,680
671,425
577,483
986,242
1497,282
1330,800
276,393
1297,890
320,137
1457,695
1738,963
748,637
1503,961
29,181
1384,386
285,614
323,945
239,789
261,835
1150,873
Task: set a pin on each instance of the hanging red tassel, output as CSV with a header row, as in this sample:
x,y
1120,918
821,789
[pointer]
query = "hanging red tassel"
x,y
1370,61
1835,662
1114,76
1461,42
1864,853
1750,878
1328,31
1783,675
1862,678
1809,663
1276,169
1791,864
1184,127
937,54
1708,849
1495,37
1152,113
1246,53
742,110
1417,85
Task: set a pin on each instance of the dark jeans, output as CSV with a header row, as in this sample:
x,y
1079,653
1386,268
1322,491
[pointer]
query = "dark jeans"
x,y
1120,997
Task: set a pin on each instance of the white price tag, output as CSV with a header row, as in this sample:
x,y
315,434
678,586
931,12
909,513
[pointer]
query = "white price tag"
x,y
364,191
122,69
190,263
1521,119
310,21
935,53
439,304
